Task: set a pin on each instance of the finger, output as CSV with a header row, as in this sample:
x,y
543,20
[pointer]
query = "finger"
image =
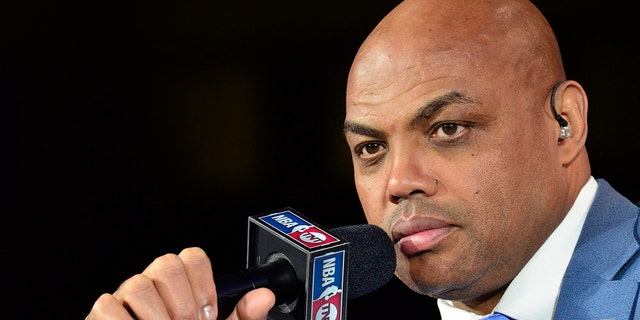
x,y
108,307
139,295
255,305
171,281
198,267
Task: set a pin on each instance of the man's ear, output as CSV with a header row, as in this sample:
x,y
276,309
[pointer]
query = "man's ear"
x,y
571,104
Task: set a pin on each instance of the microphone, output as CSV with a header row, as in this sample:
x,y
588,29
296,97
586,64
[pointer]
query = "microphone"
x,y
312,271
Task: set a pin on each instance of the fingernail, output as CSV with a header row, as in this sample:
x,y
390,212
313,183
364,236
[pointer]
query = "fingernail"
x,y
208,312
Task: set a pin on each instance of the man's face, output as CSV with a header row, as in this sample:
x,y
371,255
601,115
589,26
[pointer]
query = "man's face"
x,y
453,164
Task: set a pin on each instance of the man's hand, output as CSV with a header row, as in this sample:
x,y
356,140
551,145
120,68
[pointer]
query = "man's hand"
x,y
177,287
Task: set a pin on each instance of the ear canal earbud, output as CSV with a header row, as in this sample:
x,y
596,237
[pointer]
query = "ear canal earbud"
x,y
565,132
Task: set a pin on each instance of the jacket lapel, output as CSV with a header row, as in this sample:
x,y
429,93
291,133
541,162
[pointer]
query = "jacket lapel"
x,y
600,274
605,299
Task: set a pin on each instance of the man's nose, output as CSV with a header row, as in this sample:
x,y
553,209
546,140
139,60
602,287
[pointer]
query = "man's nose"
x,y
409,174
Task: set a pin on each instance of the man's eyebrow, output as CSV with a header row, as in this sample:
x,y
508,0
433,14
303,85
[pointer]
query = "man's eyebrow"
x,y
424,113
438,103
352,127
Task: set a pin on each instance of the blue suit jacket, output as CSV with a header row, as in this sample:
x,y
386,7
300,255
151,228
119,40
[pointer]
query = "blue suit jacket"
x,y
602,279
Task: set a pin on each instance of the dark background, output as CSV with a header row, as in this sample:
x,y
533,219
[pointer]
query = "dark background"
x,y
144,127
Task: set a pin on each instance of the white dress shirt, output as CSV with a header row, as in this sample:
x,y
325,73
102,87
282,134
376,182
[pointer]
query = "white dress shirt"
x,y
533,293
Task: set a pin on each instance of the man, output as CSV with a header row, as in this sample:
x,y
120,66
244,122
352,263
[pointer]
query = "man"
x,y
468,147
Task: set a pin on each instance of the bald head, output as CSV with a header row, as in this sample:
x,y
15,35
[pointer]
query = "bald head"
x,y
507,40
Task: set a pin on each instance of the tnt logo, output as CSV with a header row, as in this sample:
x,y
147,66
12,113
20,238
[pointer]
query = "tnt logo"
x,y
298,229
326,311
328,283
313,237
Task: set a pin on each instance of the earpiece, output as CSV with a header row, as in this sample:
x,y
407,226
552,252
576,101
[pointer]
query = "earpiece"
x,y
565,129
565,132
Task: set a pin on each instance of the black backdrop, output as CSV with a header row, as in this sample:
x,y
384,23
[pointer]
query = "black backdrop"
x,y
143,127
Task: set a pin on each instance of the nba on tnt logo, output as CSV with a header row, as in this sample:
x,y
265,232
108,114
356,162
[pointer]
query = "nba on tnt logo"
x,y
328,284
299,229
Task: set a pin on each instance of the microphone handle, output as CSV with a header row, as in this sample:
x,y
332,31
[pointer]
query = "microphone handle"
x,y
278,275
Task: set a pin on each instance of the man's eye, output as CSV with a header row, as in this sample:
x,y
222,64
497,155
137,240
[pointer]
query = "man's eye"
x,y
369,149
449,130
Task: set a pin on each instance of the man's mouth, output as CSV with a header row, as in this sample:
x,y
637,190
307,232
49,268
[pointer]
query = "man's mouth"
x,y
418,233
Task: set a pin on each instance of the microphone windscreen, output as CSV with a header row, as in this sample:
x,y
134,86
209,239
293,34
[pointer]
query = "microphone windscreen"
x,y
372,258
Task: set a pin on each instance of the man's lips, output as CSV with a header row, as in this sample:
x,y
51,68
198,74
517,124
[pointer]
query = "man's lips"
x,y
418,233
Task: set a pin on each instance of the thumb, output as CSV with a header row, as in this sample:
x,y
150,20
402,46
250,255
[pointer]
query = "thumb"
x,y
255,305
